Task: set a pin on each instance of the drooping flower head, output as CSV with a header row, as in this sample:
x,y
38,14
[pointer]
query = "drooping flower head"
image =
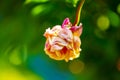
x,y
63,42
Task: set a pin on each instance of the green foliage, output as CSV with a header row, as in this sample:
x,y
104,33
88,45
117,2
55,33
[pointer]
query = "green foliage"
x,y
37,1
41,9
73,2
38,9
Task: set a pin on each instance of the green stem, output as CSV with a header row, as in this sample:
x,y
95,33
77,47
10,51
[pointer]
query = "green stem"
x,y
77,20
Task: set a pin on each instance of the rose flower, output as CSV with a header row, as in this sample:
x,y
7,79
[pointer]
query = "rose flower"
x,y
63,42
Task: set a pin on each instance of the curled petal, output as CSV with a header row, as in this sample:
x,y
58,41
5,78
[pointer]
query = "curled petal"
x,y
66,23
76,43
77,30
57,44
56,48
55,55
59,41
66,34
52,32
56,29
48,33
47,45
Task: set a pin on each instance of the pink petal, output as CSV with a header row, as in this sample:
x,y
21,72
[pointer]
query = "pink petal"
x,y
56,28
66,23
58,41
66,34
77,30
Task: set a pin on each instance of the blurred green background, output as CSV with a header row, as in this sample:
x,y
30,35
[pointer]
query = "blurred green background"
x,y
23,23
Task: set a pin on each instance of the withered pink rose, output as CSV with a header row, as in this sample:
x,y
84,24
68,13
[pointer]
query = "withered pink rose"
x,y
63,42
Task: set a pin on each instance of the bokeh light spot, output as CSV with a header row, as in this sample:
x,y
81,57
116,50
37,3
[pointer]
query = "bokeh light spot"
x,y
75,2
103,23
14,57
114,19
76,66
9,72
118,8
38,9
118,64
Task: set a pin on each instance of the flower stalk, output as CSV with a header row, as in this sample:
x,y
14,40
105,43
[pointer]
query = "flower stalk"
x,y
77,19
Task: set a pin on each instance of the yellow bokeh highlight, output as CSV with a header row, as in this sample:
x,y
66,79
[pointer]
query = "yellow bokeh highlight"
x,y
12,74
76,66
8,72
103,22
118,8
